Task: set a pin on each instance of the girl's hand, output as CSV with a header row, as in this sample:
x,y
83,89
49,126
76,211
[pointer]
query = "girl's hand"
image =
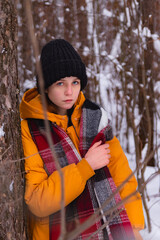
x,y
98,155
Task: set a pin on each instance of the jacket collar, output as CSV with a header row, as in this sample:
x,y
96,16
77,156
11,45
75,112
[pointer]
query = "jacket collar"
x,y
31,107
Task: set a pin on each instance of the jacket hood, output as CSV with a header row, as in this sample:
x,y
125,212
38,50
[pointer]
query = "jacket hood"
x,y
31,105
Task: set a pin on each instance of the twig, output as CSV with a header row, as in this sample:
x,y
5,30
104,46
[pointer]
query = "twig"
x,y
41,84
92,219
6,151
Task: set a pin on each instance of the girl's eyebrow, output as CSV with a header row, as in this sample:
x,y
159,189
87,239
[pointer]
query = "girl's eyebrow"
x,y
76,79
61,80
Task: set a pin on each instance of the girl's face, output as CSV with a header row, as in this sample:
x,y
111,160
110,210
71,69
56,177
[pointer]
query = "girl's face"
x,y
64,93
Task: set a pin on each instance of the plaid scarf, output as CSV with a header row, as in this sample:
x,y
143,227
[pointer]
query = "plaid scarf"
x,y
98,188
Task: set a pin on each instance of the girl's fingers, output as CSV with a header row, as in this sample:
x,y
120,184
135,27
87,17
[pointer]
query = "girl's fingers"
x,y
96,144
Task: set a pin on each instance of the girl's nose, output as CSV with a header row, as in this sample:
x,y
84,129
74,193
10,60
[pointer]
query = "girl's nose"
x,y
68,90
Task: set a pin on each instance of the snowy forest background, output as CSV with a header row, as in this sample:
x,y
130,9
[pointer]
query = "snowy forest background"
x,y
119,41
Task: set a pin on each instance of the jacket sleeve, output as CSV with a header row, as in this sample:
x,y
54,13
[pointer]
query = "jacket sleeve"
x,y
120,170
43,193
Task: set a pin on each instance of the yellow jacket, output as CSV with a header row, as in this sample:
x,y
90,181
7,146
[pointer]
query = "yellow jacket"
x,y
42,193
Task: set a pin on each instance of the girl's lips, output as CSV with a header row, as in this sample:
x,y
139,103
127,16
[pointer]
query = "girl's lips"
x,y
68,100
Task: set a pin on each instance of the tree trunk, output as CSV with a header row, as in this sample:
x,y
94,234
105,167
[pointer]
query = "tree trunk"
x,y
69,21
11,191
146,132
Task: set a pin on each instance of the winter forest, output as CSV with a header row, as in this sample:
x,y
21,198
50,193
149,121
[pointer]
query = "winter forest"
x,y
119,41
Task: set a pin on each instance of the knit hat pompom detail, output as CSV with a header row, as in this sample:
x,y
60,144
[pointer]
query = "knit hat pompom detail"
x,y
59,60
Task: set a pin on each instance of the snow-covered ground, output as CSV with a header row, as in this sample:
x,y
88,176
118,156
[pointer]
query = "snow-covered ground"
x,y
153,190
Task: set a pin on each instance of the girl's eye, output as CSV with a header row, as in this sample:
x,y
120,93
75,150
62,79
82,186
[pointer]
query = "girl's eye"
x,y
76,82
59,83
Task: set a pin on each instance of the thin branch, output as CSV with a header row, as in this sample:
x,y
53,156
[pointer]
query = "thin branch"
x,y
105,225
41,84
96,216
91,220
6,151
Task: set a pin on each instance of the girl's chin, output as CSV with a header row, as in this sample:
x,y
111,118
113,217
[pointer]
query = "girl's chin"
x,y
63,110
68,105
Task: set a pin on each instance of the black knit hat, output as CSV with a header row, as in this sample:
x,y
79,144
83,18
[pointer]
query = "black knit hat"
x,y
59,60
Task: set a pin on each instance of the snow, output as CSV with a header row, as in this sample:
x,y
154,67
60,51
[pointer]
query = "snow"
x,y
11,186
153,190
145,32
28,84
2,133
156,43
107,13
3,50
47,3
108,82
153,202
82,8
86,51
128,17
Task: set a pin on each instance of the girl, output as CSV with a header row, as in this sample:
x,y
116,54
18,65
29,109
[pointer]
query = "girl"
x,y
91,158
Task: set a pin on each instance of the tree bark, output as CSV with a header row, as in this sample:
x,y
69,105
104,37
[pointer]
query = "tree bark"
x,y
11,190
146,132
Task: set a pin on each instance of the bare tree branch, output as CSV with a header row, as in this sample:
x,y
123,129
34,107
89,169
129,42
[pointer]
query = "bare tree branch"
x,y
41,84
